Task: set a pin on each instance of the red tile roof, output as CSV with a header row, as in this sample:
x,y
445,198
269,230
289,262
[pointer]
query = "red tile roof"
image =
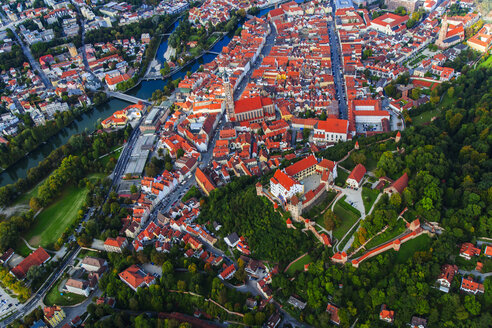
x,y
36,258
286,181
333,125
135,276
357,173
302,165
401,183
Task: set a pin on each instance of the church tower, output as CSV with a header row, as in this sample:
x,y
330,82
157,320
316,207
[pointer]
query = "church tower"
x,y
229,98
442,33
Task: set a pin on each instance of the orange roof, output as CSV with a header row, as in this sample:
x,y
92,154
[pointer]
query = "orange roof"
x,y
286,181
38,257
333,125
302,165
357,173
204,180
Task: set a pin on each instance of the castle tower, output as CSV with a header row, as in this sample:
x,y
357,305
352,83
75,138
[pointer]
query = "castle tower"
x,y
259,189
295,208
398,137
442,33
356,145
229,98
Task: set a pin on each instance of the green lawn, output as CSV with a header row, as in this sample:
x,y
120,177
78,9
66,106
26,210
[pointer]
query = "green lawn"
x,y
105,160
314,213
425,117
487,63
389,234
421,243
299,265
26,197
369,197
54,296
346,239
53,220
347,214
342,176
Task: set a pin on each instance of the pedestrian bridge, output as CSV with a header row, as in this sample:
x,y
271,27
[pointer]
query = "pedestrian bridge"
x,y
125,97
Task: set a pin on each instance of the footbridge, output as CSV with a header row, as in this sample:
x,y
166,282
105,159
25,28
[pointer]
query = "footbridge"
x,y
125,97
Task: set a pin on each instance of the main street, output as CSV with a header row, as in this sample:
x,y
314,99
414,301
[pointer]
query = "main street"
x,y
337,65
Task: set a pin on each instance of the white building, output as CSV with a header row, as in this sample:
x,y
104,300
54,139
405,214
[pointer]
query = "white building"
x,y
332,130
284,187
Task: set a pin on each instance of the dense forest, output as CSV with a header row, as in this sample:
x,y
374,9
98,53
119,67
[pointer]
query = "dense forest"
x,y
238,209
450,173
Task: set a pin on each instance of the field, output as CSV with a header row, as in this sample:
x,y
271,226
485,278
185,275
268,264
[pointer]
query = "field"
x,y
425,117
54,296
369,197
347,214
387,235
299,265
487,63
421,243
53,220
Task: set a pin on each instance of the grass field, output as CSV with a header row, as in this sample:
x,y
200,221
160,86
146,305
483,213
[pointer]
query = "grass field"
x,y
425,117
54,296
347,214
369,197
389,234
26,197
487,63
299,265
421,243
53,220
105,160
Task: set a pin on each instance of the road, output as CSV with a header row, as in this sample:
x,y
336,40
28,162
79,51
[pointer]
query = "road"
x,y
32,61
337,67
267,47
37,298
84,54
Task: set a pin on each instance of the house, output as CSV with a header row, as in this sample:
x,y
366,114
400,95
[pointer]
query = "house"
x,y
389,23
283,186
303,168
115,245
228,272
93,264
232,240
205,183
418,322
468,250
78,286
386,315
445,279
6,256
39,324
297,303
331,131
53,315
488,251
274,320
135,277
254,110
333,311
355,177
397,186
482,41
36,258
468,285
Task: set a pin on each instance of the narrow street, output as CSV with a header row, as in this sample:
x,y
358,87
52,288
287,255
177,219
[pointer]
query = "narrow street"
x,y
267,47
32,61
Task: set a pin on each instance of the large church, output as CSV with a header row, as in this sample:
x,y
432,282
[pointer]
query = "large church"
x,y
252,110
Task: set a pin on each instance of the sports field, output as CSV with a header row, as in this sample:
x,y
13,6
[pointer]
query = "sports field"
x,y
52,221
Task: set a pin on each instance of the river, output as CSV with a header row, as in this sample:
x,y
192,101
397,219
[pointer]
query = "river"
x,y
87,121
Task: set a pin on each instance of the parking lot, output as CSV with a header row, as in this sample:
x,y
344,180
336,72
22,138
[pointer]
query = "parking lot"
x,y
7,303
